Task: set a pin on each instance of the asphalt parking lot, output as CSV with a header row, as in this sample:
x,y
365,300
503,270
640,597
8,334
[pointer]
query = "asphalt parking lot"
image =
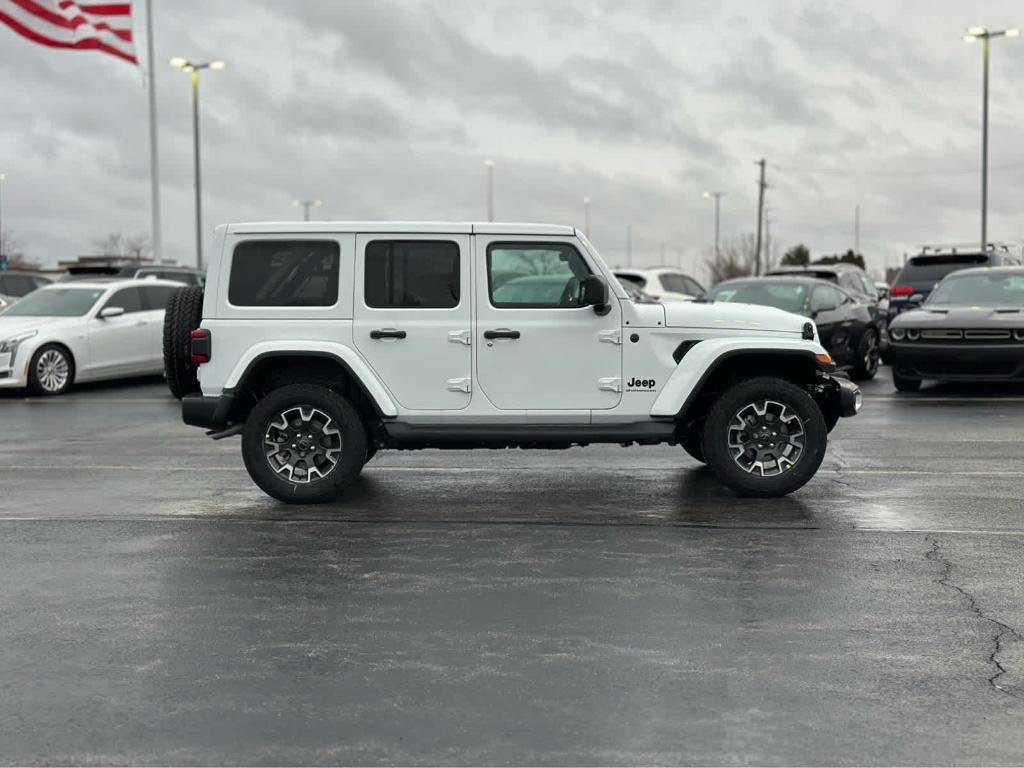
x,y
598,605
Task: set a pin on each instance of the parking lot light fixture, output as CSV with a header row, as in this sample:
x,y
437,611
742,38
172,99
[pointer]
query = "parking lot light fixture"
x,y
986,35
193,68
306,205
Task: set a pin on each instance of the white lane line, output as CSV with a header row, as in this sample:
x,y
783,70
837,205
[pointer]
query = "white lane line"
x,y
495,470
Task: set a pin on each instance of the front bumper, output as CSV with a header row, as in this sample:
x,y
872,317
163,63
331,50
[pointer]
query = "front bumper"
x,y
208,412
962,361
850,397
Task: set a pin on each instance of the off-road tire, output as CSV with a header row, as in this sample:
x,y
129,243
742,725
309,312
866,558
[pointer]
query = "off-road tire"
x,y
904,384
727,408
865,369
183,315
52,351
343,417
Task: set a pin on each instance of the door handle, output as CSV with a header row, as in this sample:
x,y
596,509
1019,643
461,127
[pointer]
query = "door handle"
x,y
501,333
387,333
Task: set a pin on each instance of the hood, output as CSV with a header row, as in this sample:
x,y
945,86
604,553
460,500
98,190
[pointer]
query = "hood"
x,y
732,316
961,316
12,326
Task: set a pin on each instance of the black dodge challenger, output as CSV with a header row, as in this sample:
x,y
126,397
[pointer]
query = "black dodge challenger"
x,y
970,328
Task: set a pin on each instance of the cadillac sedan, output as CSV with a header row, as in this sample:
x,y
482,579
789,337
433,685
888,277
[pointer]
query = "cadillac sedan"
x,y
65,333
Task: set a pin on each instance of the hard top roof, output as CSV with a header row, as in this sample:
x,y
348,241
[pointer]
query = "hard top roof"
x,y
398,227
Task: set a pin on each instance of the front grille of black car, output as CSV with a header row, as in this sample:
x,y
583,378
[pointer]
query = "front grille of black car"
x,y
945,335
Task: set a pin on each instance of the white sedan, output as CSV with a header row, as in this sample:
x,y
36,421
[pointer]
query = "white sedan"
x,y
68,333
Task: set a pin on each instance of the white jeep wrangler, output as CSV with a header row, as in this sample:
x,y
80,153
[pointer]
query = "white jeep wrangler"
x,y
321,343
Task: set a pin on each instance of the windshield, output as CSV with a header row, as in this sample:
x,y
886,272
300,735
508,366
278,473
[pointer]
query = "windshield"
x,y
989,290
56,302
791,297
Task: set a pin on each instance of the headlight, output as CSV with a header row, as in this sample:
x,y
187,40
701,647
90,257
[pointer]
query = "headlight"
x,y
897,333
913,334
11,345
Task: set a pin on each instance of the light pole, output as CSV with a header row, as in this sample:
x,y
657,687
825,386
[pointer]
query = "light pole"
x,y
306,205
490,189
718,203
193,67
3,258
985,35
586,217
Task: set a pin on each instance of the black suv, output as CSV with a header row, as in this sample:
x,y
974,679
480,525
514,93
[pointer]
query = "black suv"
x,y
923,272
186,275
849,277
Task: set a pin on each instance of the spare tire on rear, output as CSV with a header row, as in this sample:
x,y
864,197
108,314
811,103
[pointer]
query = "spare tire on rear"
x,y
183,315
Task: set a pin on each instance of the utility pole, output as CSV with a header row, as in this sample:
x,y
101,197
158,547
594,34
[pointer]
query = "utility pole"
x,y
760,218
629,245
586,216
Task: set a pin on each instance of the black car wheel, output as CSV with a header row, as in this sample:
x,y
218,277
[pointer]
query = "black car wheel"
x,y
304,444
904,384
868,355
765,437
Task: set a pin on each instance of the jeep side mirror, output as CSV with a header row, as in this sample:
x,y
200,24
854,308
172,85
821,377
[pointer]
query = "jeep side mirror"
x,y
108,312
594,293
917,298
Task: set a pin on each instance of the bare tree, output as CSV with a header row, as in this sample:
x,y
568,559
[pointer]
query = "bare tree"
x,y
123,246
10,246
736,258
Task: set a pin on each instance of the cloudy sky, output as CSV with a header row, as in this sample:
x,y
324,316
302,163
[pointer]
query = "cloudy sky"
x,y
388,110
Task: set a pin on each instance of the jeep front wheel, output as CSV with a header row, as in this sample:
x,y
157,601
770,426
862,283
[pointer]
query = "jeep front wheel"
x,y
304,444
765,437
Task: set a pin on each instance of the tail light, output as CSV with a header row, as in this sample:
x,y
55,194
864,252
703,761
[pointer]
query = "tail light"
x,y
200,346
901,290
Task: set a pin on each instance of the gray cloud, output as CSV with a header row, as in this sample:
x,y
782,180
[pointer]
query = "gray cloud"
x,y
388,108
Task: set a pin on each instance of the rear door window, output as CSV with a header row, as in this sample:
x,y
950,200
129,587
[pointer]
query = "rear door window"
x,y
285,273
127,298
420,274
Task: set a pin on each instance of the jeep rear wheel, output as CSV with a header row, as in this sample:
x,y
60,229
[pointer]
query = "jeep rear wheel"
x,y
304,444
765,437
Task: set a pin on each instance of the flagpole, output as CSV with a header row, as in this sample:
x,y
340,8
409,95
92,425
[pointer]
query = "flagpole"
x,y
154,155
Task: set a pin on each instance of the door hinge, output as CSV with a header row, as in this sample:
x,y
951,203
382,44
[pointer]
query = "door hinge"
x,y
460,385
613,336
460,337
612,384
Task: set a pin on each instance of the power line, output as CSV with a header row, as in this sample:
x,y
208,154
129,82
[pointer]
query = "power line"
x,y
857,172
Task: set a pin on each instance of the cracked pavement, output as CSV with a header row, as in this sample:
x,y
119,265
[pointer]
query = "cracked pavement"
x,y
590,606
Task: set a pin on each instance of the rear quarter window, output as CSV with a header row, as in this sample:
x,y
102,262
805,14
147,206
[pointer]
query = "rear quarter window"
x,y
284,273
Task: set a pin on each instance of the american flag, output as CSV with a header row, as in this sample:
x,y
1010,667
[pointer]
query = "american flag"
x,y
105,27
